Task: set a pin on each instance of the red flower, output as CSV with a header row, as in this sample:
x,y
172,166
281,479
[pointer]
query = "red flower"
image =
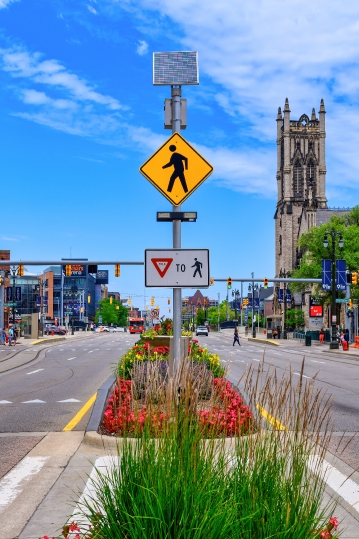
x,y
74,527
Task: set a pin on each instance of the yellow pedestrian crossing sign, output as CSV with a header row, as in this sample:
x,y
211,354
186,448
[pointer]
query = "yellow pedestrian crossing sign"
x,y
176,169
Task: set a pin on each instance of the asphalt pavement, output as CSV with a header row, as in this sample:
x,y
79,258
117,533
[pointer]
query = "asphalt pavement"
x,y
46,469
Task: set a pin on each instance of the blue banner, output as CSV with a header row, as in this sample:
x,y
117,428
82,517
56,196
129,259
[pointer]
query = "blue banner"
x,y
341,274
281,295
256,303
289,296
18,293
9,293
326,274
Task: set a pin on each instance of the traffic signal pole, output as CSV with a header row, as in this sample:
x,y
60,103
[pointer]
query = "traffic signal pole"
x,y
176,232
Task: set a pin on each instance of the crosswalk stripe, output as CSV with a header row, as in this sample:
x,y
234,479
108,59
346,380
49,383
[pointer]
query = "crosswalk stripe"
x,y
15,481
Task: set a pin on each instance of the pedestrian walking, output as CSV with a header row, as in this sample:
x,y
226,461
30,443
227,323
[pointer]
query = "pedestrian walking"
x,y
11,333
236,337
321,336
14,336
346,335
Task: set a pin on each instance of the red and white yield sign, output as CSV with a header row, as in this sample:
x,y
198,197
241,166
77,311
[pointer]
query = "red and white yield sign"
x,y
177,268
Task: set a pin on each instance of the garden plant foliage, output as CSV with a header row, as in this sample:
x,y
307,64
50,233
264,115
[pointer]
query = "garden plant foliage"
x,y
259,485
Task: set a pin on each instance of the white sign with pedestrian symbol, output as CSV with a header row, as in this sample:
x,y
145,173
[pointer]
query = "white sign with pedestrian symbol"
x,y
177,268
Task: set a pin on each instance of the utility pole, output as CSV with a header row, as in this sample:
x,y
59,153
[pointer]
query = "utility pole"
x,y
176,232
2,318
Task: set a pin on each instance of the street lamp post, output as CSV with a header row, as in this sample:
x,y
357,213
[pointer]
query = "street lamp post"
x,y
253,288
333,234
284,274
235,295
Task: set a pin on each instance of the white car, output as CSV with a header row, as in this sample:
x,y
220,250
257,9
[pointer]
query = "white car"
x,y
202,330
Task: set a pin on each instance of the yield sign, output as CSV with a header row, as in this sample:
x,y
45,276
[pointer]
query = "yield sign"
x,y
162,265
176,169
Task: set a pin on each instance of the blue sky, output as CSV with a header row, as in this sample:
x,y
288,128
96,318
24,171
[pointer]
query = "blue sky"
x,y
79,115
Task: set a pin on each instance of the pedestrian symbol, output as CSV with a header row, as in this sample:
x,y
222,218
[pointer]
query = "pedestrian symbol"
x,y
198,266
176,169
177,162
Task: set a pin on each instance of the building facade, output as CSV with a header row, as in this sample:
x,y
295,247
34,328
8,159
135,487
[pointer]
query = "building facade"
x,y
301,172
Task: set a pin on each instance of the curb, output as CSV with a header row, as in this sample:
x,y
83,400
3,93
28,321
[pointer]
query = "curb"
x,y
264,341
98,407
49,339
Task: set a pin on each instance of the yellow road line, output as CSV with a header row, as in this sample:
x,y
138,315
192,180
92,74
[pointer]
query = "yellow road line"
x,y
72,424
271,419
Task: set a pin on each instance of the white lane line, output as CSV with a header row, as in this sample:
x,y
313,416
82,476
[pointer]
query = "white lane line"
x,y
84,349
69,400
61,349
50,350
315,361
277,353
253,359
15,481
340,483
36,401
73,349
90,352
5,402
70,358
298,374
33,372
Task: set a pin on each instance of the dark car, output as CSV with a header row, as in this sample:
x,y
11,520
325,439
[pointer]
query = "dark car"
x,y
56,329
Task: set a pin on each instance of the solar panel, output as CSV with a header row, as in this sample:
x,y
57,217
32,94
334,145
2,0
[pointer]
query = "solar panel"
x,y
175,68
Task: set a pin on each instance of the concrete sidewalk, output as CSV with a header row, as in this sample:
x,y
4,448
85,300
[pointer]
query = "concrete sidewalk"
x,y
49,500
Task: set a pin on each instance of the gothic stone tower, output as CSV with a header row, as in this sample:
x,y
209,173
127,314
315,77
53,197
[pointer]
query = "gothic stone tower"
x,y
300,179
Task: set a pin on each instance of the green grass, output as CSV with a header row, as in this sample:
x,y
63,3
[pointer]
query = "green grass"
x,y
179,486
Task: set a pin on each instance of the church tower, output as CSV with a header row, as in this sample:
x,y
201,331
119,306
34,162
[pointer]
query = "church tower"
x,y
300,180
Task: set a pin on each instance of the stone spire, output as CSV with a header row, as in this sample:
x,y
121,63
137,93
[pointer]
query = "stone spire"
x,y
286,106
322,107
313,114
279,116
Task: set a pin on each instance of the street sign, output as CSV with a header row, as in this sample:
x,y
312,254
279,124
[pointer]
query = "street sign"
x,y
100,319
345,300
177,268
176,169
12,304
154,314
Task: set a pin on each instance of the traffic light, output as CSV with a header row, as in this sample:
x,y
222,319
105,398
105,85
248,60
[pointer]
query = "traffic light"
x,y
354,277
211,281
129,301
152,301
1,280
20,270
157,307
117,270
350,305
265,282
169,301
89,299
117,307
68,271
111,300
229,282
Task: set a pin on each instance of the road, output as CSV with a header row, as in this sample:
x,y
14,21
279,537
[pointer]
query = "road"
x,y
41,392
336,374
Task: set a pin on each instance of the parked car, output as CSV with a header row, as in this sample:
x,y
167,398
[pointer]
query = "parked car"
x,y
56,329
202,330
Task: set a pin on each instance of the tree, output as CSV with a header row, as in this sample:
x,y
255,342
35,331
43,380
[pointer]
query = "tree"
x,y
311,245
295,318
111,313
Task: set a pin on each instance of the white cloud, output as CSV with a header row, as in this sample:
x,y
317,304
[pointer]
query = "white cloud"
x,y
254,54
9,239
33,97
22,64
91,9
5,3
142,47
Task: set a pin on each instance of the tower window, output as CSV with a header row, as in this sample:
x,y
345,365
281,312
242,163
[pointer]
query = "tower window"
x,y
297,180
310,171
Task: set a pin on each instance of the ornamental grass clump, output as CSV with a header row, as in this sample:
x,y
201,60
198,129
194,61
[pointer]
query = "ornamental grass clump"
x,y
266,484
